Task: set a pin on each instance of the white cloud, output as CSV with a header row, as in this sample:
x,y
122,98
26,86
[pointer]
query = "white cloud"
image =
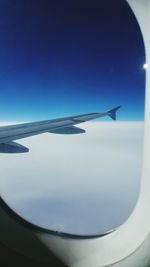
x,y
86,183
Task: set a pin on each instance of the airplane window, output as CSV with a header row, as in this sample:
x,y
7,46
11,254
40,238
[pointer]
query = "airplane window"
x,y
59,59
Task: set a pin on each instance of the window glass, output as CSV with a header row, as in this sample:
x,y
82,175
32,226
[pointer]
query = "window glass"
x,y
62,58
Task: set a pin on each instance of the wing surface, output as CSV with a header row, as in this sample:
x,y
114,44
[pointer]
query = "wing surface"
x,y
58,126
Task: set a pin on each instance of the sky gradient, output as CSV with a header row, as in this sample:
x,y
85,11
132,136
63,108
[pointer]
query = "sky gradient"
x,y
60,58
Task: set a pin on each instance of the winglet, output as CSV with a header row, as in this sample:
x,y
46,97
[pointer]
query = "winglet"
x,y
112,112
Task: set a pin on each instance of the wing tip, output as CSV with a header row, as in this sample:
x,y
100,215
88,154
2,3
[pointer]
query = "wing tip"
x,y
112,113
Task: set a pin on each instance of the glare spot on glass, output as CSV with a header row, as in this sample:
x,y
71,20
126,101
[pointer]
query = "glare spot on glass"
x,y
146,66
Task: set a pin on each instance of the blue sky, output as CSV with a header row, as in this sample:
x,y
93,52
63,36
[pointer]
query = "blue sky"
x,y
62,58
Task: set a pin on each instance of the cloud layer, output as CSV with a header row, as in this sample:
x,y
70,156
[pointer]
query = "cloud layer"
x,y
82,184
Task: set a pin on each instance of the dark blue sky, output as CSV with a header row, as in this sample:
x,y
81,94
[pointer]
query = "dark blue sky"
x,y
65,57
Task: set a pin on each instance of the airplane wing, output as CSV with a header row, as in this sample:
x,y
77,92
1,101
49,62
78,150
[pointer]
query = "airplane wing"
x,y
64,125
